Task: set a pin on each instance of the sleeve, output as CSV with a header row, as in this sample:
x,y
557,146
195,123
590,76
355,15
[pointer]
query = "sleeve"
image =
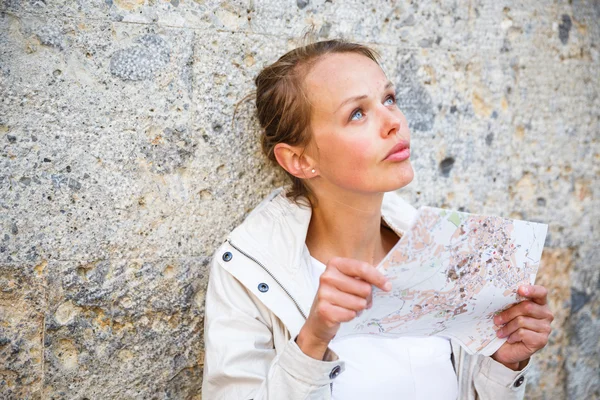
x,y
241,361
483,378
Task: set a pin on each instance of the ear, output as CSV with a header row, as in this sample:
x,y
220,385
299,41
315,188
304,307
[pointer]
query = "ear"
x,y
295,160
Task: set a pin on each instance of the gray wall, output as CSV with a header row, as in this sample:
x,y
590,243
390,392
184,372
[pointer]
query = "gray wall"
x,y
123,168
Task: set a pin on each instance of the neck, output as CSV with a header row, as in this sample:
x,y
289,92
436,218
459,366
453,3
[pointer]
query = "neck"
x,y
347,225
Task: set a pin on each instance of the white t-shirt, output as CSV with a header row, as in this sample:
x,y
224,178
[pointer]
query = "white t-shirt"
x,y
392,368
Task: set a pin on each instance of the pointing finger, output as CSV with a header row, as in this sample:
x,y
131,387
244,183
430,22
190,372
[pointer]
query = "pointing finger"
x,y
362,270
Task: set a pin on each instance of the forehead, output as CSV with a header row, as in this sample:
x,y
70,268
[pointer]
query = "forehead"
x,y
336,77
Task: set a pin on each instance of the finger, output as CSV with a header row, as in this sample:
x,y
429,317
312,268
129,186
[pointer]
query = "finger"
x,y
341,299
530,339
527,308
334,314
362,270
333,277
536,293
522,322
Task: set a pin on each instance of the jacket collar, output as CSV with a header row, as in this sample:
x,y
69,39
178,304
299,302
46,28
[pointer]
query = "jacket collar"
x,y
273,235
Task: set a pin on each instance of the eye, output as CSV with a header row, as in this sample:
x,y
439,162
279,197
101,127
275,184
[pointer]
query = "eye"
x,y
390,100
356,115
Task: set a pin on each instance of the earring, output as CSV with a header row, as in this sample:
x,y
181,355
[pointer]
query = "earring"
x,y
313,171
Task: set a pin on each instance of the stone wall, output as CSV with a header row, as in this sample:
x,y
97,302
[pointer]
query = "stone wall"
x,y
123,166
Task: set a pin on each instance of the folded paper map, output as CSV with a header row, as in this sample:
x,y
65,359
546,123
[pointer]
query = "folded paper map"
x,y
451,272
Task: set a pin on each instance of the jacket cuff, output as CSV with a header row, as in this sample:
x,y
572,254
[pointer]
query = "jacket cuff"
x,y
305,368
502,375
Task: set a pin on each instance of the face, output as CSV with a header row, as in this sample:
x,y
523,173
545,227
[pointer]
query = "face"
x,y
356,124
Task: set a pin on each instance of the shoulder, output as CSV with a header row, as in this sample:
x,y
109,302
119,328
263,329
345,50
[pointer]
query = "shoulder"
x,y
228,290
270,241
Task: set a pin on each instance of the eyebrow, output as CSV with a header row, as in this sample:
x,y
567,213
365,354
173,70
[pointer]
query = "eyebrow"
x,y
388,85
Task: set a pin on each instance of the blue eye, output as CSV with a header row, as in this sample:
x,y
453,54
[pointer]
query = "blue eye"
x,y
390,101
358,112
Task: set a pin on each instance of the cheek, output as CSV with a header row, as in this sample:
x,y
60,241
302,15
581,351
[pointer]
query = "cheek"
x,y
363,154
351,161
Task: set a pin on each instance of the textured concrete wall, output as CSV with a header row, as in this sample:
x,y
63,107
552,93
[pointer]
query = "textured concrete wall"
x,y
122,167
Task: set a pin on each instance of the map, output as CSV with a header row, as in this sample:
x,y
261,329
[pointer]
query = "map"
x,y
451,272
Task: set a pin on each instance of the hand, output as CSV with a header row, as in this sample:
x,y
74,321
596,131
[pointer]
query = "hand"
x,y
527,326
344,291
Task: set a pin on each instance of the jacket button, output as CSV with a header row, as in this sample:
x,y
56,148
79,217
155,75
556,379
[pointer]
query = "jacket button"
x,y
520,381
263,287
227,256
335,372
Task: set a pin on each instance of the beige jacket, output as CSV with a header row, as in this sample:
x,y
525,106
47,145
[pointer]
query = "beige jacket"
x,y
258,297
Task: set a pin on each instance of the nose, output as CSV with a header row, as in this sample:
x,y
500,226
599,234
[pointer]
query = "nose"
x,y
392,122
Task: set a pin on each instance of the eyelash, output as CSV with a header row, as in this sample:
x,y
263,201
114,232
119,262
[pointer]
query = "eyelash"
x,y
391,96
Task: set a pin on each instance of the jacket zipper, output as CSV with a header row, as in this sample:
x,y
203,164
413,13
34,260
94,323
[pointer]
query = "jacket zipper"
x,y
270,274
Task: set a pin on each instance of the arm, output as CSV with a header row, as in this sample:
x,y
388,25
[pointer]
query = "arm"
x,y
241,360
483,378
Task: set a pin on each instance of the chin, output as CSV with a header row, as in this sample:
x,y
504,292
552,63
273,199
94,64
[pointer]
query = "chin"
x,y
401,178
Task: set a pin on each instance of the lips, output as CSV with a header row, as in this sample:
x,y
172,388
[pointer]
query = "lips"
x,y
399,152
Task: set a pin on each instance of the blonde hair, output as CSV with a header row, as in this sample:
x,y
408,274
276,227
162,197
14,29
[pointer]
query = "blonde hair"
x,y
282,106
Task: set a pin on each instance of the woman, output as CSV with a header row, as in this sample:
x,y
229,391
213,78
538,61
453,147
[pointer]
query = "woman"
x,y
302,262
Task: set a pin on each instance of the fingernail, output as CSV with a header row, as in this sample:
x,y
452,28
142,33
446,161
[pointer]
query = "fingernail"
x,y
525,290
387,286
499,333
498,320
